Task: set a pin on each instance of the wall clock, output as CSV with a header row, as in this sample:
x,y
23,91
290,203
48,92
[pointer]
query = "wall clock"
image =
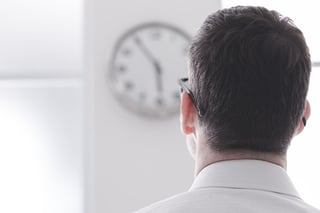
x,y
145,66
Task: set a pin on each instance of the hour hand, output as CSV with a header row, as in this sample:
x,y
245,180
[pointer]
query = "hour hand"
x,y
158,76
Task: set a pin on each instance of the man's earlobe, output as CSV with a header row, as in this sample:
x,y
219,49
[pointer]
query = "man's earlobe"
x,y
306,114
187,114
304,121
305,117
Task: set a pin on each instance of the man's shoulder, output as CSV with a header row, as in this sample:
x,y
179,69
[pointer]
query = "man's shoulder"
x,y
226,200
172,204
201,200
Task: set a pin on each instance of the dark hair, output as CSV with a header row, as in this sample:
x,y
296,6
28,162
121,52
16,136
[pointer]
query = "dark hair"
x,y
250,71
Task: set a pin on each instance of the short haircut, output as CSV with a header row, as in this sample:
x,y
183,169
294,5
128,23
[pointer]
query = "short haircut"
x,y
249,72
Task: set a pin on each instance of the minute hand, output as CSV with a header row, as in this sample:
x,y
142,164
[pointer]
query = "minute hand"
x,y
153,61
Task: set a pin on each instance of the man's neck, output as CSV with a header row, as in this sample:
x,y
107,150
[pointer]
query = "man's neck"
x,y
204,159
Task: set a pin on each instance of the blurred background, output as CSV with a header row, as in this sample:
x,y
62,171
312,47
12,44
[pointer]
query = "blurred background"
x,y
67,145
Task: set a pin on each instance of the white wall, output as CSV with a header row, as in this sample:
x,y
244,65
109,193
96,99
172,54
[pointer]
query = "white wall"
x,y
41,38
135,161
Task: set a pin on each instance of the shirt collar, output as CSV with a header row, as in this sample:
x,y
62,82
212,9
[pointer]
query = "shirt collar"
x,y
245,174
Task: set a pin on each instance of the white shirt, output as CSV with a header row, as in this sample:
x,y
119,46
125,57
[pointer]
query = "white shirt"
x,y
237,186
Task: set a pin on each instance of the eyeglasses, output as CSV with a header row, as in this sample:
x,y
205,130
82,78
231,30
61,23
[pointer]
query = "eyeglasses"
x,y
184,88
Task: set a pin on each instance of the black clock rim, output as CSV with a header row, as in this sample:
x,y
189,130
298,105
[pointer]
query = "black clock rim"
x,y
147,25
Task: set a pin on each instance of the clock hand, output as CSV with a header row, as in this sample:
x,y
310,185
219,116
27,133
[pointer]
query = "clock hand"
x,y
153,61
144,50
158,76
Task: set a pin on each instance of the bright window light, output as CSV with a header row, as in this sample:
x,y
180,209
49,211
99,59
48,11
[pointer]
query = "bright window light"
x,y
41,148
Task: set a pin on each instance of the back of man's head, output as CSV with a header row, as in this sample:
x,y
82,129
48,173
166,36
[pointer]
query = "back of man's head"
x,y
250,71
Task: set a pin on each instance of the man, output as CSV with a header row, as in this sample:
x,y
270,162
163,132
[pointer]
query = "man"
x,y
243,102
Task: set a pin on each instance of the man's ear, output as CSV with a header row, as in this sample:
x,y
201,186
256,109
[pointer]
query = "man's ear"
x,y
188,114
306,115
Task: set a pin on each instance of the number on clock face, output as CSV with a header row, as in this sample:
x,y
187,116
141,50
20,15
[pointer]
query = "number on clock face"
x,y
145,67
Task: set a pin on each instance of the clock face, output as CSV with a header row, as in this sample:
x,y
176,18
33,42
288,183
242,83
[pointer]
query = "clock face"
x,y
145,67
